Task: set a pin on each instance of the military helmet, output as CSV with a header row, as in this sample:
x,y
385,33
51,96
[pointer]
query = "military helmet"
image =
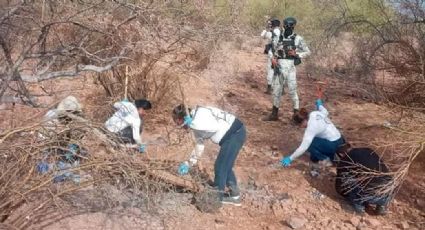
x,y
275,22
289,22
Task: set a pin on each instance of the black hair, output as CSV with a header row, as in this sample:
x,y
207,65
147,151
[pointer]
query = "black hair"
x,y
143,103
300,116
275,23
179,111
343,149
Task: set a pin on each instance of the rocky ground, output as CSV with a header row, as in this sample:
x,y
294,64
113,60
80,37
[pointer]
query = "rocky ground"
x,y
273,197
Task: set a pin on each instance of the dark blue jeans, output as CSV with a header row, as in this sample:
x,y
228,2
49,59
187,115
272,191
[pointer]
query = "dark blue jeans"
x,y
320,149
223,167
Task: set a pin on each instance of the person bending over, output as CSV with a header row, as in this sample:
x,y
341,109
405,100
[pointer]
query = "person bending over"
x,y
321,137
127,121
222,128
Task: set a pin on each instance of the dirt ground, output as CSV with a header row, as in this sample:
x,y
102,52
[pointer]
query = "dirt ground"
x,y
272,195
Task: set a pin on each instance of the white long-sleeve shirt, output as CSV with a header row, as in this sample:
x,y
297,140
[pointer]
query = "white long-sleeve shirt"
x,y
319,125
208,123
270,36
126,115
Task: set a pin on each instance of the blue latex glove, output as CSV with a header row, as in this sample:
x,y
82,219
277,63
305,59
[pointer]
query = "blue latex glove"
x,y
72,151
183,168
43,167
142,148
319,103
286,161
125,100
187,120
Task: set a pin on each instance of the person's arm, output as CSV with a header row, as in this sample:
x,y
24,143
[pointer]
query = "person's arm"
x,y
135,125
323,110
302,48
309,134
199,147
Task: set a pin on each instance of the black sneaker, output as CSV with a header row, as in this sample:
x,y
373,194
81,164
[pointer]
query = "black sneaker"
x,y
381,210
360,209
233,200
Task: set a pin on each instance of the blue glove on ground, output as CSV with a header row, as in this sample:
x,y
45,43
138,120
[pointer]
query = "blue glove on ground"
x,y
43,167
183,168
286,161
187,120
319,103
142,148
72,151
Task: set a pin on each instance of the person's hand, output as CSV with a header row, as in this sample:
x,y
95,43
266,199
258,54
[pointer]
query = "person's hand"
x,y
319,103
292,53
274,62
183,168
187,120
142,148
286,161
193,161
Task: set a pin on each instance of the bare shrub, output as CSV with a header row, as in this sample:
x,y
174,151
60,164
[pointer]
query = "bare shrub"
x,y
388,53
109,175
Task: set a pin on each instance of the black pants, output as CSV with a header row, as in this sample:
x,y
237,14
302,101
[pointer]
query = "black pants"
x,y
126,135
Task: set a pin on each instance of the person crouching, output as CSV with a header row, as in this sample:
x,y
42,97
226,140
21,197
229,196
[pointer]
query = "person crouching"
x,y
363,179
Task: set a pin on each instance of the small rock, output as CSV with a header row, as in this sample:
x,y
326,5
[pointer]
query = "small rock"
x,y
277,209
373,222
296,222
420,203
274,147
361,226
355,221
301,210
404,225
218,221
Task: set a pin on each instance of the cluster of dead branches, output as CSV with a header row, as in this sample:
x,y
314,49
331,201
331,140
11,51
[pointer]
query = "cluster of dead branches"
x,y
386,51
160,41
404,143
27,190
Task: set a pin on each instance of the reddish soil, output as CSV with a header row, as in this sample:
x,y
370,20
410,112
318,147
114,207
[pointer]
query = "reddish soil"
x,y
272,195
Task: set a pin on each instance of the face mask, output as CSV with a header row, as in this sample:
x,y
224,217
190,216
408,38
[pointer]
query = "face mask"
x,y
288,31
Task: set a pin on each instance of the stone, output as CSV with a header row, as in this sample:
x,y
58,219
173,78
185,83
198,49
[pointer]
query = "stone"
x,y
296,222
277,209
404,225
301,210
373,222
420,203
218,221
355,221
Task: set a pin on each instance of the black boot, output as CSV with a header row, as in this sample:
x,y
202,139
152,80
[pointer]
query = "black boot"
x,y
269,89
381,210
295,114
273,116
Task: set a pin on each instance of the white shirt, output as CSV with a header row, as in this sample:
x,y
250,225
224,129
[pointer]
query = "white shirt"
x,y
269,36
208,123
319,125
127,115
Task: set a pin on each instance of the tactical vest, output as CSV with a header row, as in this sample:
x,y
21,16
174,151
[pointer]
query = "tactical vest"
x,y
284,45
